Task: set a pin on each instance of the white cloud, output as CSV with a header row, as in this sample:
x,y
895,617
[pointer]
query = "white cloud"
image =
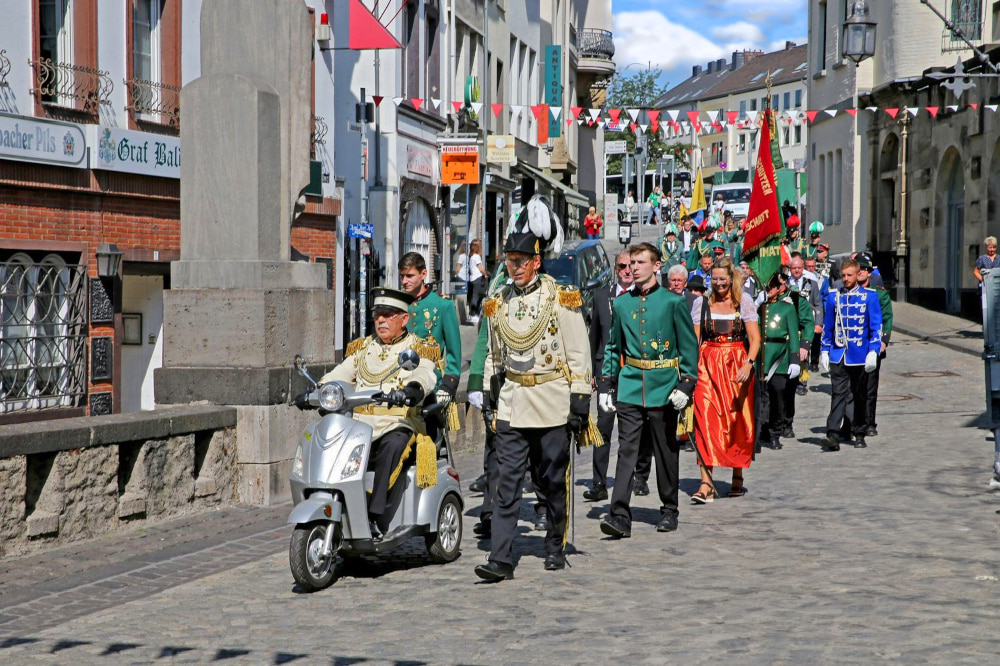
x,y
649,37
741,33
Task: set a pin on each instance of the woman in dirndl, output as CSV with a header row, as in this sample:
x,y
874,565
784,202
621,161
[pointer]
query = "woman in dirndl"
x,y
729,337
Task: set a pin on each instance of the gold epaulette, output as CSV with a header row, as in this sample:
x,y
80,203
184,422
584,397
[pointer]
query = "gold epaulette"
x,y
428,350
355,345
490,306
569,297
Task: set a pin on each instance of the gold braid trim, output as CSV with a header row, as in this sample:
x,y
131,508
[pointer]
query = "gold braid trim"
x,y
426,462
454,422
490,307
402,461
569,297
354,345
428,350
590,435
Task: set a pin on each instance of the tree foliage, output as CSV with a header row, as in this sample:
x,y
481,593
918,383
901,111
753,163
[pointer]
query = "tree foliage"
x,y
640,91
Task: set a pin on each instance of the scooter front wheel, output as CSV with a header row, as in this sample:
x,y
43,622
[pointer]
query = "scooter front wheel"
x,y
310,568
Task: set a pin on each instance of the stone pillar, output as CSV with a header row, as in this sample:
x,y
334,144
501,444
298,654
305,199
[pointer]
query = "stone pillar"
x,y
238,309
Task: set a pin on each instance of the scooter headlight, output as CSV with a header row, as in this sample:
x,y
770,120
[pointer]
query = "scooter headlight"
x,y
331,396
353,464
298,466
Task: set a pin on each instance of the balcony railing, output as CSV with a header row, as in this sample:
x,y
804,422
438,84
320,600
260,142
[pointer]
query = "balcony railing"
x,y
597,44
72,86
967,17
319,131
154,101
4,67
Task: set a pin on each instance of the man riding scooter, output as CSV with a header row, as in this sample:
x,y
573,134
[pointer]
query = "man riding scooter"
x,y
371,363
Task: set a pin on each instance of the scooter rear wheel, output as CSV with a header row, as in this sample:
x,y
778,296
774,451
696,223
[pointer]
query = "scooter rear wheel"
x,y
445,544
309,568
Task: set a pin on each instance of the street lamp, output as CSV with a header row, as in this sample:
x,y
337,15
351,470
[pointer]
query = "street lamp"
x,y
109,258
858,34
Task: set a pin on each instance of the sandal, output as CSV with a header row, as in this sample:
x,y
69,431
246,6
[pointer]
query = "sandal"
x,y
701,497
737,489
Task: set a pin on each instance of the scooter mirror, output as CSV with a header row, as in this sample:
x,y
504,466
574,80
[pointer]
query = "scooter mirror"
x,y
409,360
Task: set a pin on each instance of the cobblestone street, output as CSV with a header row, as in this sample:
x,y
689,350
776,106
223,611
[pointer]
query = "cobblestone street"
x,y
882,554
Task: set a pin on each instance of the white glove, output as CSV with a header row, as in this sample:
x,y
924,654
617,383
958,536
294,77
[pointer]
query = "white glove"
x,y
678,399
824,361
476,399
794,370
442,397
871,361
605,402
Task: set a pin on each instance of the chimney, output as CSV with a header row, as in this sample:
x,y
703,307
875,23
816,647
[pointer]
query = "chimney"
x,y
750,54
738,60
789,45
720,64
695,71
711,67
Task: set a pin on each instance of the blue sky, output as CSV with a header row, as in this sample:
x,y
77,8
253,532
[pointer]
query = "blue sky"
x,y
676,34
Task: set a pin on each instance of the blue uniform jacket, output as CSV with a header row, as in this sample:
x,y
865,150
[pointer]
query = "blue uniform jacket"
x,y
852,325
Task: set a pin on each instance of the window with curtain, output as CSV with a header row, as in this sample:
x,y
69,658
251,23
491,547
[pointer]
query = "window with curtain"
x,y
55,43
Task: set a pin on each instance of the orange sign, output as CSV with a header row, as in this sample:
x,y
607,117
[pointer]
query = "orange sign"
x,y
459,165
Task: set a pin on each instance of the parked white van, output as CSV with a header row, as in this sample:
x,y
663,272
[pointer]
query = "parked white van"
x,y
735,197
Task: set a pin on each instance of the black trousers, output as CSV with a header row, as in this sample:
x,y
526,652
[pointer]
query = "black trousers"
x,y
602,454
490,467
780,391
547,450
871,393
788,400
815,349
659,427
387,455
848,383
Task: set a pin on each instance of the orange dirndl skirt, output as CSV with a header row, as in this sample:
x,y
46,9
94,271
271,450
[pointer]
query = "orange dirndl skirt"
x,y
724,427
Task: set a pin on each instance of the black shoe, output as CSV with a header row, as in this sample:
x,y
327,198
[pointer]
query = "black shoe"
x,y
596,494
484,528
542,519
831,442
494,572
859,442
801,389
528,486
776,444
641,488
555,562
668,523
616,528
787,432
376,532
813,367
871,431
479,485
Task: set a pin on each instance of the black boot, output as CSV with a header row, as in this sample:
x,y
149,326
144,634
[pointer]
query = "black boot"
x,y
494,572
831,442
596,494
479,485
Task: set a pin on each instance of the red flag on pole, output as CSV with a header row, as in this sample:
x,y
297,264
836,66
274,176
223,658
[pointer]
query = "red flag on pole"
x,y
365,31
762,242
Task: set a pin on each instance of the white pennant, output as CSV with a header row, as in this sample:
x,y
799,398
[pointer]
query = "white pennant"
x,y
435,102
477,107
873,109
397,100
717,113
673,114
556,110
830,112
515,111
913,112
633,114
643,128
752,115
992,107
579,121
594,113
952,107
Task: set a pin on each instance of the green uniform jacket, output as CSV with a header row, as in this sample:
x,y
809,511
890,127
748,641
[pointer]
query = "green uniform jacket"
x,y
886,302
780,333
651,325
809,252
476,368
434,319
807,323
671,254
702,247
797,245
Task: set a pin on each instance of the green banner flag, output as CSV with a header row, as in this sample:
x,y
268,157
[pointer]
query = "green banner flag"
x,y
764,226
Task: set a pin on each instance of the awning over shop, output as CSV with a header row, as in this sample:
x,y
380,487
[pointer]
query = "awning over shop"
x,y
572,196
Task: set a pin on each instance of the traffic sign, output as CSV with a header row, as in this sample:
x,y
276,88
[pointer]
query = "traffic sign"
x,y
360,229
723,165
354,127
615,147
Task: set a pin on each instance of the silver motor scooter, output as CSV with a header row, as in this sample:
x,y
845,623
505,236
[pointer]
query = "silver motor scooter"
x,y
330,484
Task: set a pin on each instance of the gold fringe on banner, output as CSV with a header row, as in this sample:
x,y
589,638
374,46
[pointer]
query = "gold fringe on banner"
x,y
454,422
426,462
590,435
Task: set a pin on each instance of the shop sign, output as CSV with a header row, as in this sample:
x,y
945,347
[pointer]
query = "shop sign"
x,y
44,141
500,149
459,165
553,86
129,151
420,161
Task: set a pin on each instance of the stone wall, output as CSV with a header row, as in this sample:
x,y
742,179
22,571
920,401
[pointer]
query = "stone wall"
x,y
77,478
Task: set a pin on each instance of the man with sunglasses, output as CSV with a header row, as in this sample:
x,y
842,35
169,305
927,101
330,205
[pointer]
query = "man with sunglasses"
x,y
600,326
539,351
370,363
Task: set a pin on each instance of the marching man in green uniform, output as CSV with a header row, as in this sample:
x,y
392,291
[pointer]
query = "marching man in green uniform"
x,y
433,318
672,251
370,363
539,345
652,359
705,246
815,232
795,243
779,319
